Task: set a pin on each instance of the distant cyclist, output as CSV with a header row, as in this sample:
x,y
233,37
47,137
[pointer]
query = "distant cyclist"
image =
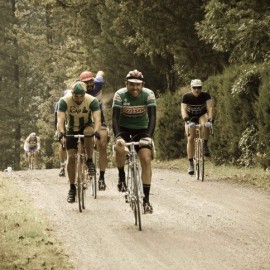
x,y
134,114
78,113
94,88
32,147
199,106
62,149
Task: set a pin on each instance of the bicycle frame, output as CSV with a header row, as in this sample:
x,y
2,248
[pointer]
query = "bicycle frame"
x,y
82,177
134,195
32,163
199,152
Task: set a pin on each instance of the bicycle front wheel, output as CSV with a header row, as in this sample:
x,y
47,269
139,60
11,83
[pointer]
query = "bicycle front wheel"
x,y
137,208
200,175
79,183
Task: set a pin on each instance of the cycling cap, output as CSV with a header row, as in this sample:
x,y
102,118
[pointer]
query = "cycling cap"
x,y
79,88
86,76
135,76
196,82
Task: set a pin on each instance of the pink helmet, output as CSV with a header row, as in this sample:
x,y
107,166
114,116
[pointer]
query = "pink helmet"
x,y
86,76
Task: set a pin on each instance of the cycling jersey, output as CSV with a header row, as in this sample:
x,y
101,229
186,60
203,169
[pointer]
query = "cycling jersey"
x,y
97,90
196,106
78,116
134,110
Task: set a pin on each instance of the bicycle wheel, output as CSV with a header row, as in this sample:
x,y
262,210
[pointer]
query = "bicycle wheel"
x,y
201,160
79,182
196,159
94,177
83,184
137,208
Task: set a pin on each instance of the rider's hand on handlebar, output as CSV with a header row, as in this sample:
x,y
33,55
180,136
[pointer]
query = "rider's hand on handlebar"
x,y
120,141
191,124
208,124
145,141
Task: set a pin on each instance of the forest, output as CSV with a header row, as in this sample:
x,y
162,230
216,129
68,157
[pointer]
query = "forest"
x,y
46,44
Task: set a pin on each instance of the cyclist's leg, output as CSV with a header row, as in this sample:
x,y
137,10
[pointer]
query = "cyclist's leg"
x,y
35,154
205,134
71,146
205,131
190,133
102,149
145,156
120,159
62,158
89,147
29,155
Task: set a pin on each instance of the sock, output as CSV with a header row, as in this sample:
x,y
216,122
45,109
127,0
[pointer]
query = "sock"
x,y
72,186
101,174
121,173
190,160
146,191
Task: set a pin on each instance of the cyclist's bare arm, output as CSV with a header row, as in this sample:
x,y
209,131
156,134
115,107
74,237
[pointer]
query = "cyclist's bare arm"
x,y
209,107
97,120
61,122
184,110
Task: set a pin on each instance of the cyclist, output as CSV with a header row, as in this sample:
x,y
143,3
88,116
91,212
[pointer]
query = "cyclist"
x,y
77,111
32,147
94,88
134,114
62,150
199,106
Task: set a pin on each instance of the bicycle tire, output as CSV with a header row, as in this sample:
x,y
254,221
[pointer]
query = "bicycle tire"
x,y
79,182
137,207
201,160
83,184
94,177
196,159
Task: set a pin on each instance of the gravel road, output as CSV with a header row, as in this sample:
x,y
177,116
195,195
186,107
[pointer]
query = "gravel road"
x,y
195,226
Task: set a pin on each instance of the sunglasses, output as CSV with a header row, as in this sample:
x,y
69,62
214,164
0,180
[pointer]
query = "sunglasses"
x,y
197,87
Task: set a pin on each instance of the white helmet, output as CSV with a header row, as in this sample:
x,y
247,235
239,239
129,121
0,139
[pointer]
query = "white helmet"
x,y
196,82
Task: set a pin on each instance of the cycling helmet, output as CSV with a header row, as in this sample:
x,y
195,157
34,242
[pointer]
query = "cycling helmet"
x,y
135,76
33,134
196,82
86,76
79,88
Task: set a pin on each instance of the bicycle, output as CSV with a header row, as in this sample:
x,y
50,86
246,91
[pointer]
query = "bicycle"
x,y
199,151
83,179
32,163
134,194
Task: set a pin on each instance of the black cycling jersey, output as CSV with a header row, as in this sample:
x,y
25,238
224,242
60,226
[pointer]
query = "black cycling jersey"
x,y
196,106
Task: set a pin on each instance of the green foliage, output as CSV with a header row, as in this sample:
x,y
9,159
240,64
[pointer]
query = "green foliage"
x,y
170,138
239,28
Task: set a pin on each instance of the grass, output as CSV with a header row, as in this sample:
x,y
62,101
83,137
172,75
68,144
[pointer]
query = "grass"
x,y
255,177
25,237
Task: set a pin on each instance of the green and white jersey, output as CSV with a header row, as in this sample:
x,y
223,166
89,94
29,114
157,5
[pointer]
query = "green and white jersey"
x,y
77,116
134,109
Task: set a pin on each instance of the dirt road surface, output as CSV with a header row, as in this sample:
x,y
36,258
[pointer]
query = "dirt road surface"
x,y
195,226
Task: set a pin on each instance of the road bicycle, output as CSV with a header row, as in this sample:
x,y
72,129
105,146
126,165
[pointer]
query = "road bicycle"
x,y
199,151
32,164
83,179
134,194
